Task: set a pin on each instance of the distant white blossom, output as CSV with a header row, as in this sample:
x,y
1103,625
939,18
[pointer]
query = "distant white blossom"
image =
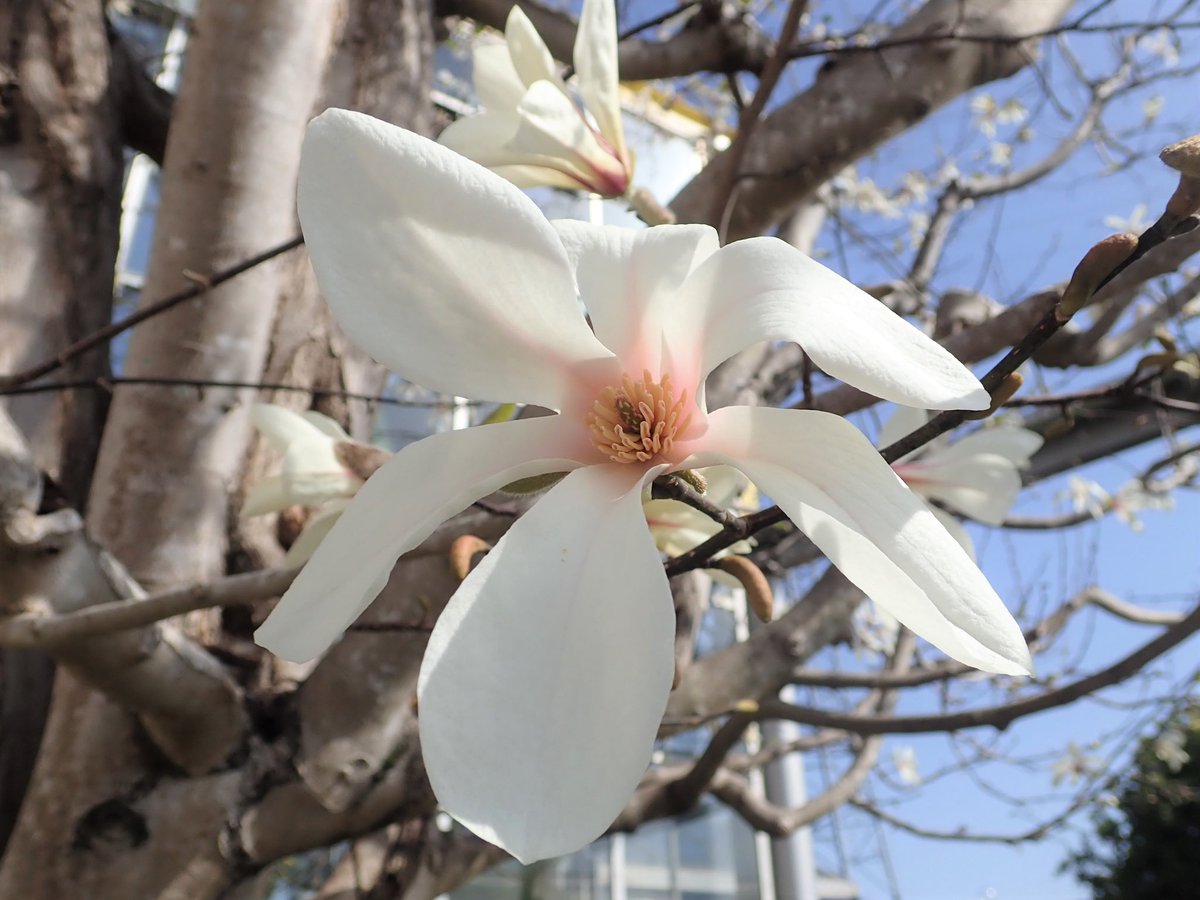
x,y
904,760
1169,748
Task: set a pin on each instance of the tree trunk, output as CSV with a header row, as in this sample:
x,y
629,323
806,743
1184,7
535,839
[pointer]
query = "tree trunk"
x,y
60,205
228,192
382,66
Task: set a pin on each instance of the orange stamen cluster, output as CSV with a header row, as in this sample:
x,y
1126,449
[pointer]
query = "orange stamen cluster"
x,y
638,420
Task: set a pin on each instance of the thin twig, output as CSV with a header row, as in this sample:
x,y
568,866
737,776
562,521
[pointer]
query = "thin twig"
x,y
40,630
200,285
723,196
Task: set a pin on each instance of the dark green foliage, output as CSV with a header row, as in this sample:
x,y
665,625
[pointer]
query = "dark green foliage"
x,y
1147,845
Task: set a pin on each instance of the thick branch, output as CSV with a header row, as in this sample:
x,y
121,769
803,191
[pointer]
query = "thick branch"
x,y
717,39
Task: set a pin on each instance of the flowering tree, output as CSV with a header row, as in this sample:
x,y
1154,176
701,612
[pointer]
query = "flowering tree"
x,y
486,624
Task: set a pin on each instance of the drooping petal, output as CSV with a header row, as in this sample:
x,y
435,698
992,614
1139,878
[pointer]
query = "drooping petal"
x,y
764,289
267,495
955,530
490,139
399,506
596,69
530,56
981,485
547,675
629,279
1015,444
437,267
836,488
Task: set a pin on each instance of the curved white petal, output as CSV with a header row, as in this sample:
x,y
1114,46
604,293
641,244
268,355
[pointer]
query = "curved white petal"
x,y
836,488
955,529
629,280
902,422
266,495
1015,444
282,427
531,175
490,139
399,506
982,486
438,268
496,81
596,69
326,425
547,675
552,125
530,56
764,289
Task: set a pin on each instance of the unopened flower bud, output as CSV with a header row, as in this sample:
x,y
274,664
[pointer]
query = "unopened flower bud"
x,y
533,484
463,552
1008,387
1096,265
648,209
758,590
695,479
1184,158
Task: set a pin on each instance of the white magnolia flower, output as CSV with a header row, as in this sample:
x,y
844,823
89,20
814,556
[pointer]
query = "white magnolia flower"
x,y
1074,766
1087,496
978,476
531,131
1170,748
1136,221
904,760
311,475
1132,498
546,677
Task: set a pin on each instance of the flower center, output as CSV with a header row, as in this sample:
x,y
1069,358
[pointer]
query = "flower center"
x,y
638,420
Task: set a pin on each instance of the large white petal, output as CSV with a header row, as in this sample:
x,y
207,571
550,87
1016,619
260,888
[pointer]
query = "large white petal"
x,y
596,69
399,506
955,529
438,268
982,485
530,56
764,289
836,488
629,280
547,675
